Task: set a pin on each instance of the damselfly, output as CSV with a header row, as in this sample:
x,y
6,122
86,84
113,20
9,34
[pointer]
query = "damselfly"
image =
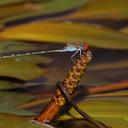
x,y
68,48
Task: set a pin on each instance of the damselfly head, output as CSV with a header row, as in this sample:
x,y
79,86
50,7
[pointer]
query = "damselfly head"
x,y
85,46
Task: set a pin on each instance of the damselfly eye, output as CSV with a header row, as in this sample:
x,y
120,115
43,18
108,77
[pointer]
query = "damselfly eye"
x,y
85,46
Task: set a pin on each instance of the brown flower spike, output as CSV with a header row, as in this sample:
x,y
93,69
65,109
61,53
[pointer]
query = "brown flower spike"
x,y
70,83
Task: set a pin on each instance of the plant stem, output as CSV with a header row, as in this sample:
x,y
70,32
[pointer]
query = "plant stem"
x,y
108,88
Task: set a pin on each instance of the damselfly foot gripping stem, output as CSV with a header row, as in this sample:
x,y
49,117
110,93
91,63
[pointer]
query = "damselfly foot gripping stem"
x,y
77,49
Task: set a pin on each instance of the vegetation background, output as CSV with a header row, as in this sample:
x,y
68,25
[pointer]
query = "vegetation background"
x,y
28,82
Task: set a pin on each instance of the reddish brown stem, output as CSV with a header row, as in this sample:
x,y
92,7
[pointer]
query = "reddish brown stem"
x,y
107,88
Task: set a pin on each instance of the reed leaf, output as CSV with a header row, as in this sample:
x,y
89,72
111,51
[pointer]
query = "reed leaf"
x,y
62,32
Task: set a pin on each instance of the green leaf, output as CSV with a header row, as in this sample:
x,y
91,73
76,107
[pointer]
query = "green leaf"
x,y
114,122
102,109
12,121
6,85
15,111
16,9
4,2
20,69
8,46
45,31
44,8
29,62
111,111
13,98
100,9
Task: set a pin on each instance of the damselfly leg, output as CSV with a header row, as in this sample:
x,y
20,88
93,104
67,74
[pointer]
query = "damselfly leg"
x,y
76,48
73,56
